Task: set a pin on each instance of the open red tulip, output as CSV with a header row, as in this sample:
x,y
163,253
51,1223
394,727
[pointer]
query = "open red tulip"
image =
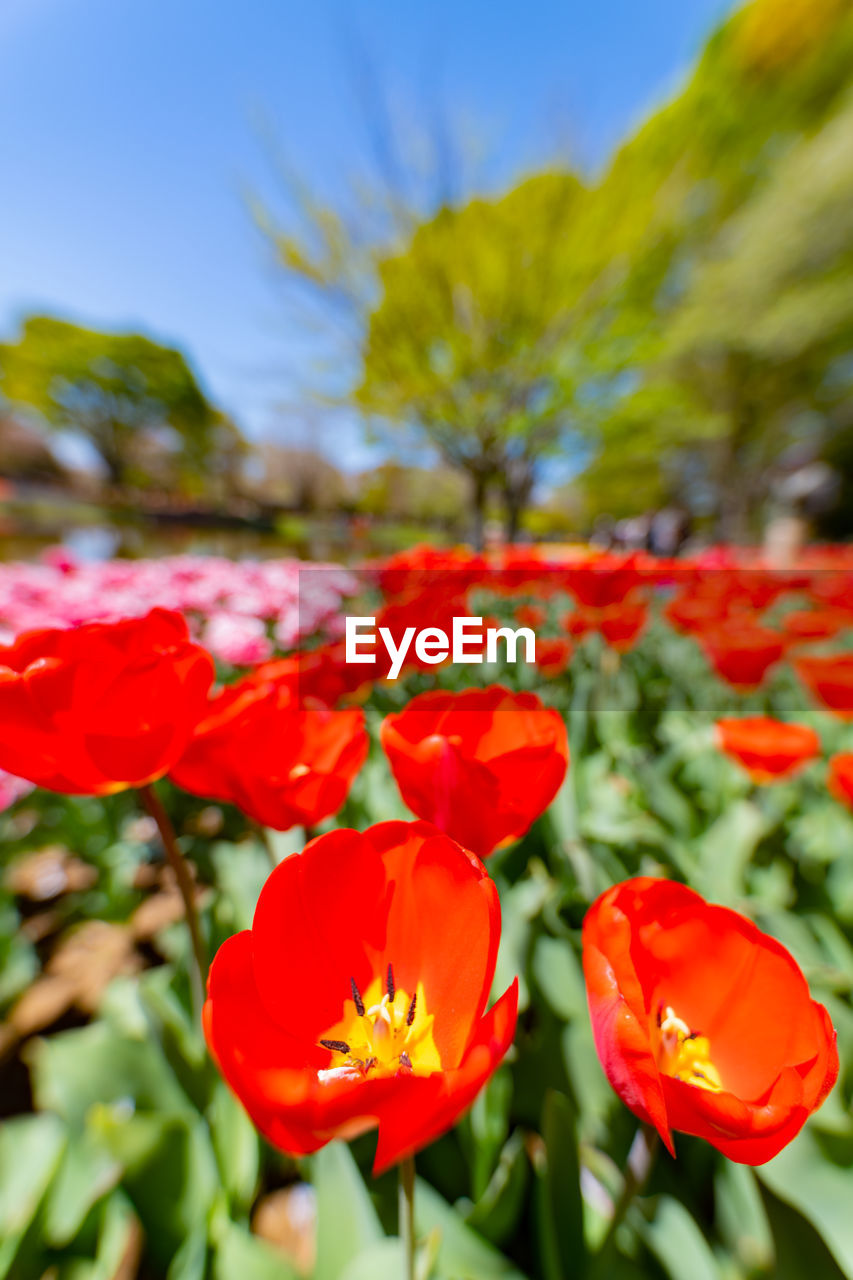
x,y
622,624
830,681
768,749
482,765
358,996
102,707
282,764
703,1023
742,653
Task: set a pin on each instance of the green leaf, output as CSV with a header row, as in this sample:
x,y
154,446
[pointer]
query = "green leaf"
x,y
381,1261
593,1094
236,1145
19,962
118,1235
32,1146
559,978
486,1129
241,870
170,1172
741,1218
804,1176
241,1256
497,1212
346,1219
820,833
86,1173
190,1261
560,1206
798,1248
462,1254
678,1243
726,848
519,907
94,1066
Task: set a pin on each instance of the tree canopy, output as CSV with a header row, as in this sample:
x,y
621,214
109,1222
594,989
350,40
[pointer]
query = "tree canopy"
x,y
689,305
135,400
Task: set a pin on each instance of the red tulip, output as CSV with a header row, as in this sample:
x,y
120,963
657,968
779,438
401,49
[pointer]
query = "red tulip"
x,y
829,680
693,613
840,780
703,1024
358,996
553,655
579,623
282,764
619,624
623,624
482,765
833,588
768,749
101,707
604,580
531,615
802,625
320,676
753,589
742,654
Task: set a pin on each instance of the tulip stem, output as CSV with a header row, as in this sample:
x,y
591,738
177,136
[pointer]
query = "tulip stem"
x,y
407,1214
264,837
641,1157
198,963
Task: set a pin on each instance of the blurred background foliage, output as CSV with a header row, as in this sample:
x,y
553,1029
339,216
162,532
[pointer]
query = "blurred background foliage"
x,y
675,329
687,312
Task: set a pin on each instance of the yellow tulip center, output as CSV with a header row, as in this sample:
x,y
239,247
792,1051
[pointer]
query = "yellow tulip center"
x,y
383,1032
685,1054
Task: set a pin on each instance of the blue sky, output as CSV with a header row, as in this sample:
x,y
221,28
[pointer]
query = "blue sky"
x,y
130,131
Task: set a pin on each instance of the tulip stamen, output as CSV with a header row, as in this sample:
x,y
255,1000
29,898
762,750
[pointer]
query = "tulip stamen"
x,y
336,1046
684,1054
385,1031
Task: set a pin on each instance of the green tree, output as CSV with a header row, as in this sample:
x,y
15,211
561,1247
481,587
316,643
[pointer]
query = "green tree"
x,y
729,270
450,327
762,335
129,396
469,341
507,329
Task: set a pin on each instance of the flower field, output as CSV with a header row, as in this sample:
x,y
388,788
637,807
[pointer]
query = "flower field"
x,y
486,969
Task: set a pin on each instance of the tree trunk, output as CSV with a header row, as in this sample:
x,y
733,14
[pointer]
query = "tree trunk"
x,y
479,493
513,512
109,443
116,470
735,486
735,481
517,493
